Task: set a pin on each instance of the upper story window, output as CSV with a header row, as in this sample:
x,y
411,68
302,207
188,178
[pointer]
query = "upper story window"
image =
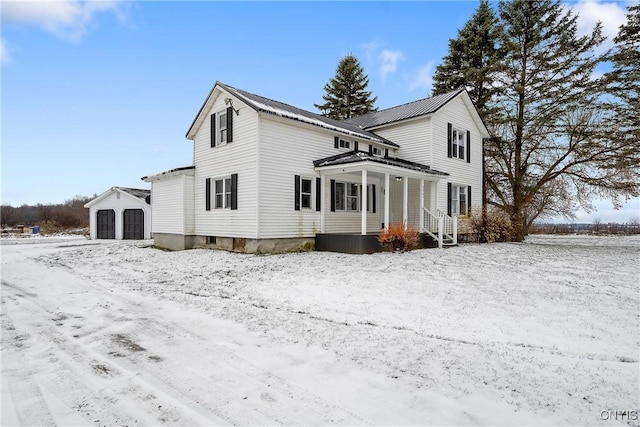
x,y
459,144
457,139
343,143
377,151
222,127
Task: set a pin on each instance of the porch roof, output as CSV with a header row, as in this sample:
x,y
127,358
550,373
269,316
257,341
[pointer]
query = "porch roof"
x,y
358,160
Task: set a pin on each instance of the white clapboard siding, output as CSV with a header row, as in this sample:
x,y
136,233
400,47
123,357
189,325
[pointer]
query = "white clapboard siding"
x,y
288,149
414,138
460,172
189,205
167,204
237,157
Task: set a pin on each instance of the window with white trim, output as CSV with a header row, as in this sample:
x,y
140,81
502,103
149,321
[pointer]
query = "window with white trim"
x,y
306,188
376,151
222,127
348,197
459,200
222,188
344,144
353,197
458,140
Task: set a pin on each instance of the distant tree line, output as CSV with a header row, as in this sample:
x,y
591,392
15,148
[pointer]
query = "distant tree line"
x,y
597,227
70,214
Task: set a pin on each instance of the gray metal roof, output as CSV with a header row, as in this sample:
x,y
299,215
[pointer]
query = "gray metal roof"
x,y
136,192
404,111
167,173
360,156
270,106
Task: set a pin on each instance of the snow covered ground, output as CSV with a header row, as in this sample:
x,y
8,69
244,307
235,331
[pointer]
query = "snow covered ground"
x,y
119,333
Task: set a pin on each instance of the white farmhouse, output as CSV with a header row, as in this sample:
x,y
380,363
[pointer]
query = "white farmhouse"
x,y
267,176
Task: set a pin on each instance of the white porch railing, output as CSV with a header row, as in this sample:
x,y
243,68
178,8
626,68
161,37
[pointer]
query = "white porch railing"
x,y
441,227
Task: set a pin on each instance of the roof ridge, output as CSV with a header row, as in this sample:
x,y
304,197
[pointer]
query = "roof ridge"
x,y
418,100
242,91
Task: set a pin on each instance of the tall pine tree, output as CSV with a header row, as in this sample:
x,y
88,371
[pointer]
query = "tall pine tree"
x,y
472,59
624,79
551,154
346,95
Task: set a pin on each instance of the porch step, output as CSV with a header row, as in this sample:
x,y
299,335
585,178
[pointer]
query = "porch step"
x,y
431,242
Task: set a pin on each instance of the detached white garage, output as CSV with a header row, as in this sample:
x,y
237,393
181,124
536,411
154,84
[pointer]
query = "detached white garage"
x,y
121,213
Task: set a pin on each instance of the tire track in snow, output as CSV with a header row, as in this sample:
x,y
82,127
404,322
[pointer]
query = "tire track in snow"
x,y
276,398
111,382
279,399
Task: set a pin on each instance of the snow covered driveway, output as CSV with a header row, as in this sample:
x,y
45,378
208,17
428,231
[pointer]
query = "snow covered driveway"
x,y
120,333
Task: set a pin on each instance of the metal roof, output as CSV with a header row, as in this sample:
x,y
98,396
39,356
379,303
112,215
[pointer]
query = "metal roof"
x,y
270,106
136,192
171,172
360,156
405,111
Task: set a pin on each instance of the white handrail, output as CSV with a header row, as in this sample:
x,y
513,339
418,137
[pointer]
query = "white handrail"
x,y
441,226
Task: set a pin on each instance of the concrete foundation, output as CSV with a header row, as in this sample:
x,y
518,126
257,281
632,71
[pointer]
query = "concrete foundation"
x,y
178,242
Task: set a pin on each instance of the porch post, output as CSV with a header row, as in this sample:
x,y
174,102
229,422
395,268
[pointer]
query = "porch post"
x,y
421,204
405,200
364,202
323,204
433,206
386,201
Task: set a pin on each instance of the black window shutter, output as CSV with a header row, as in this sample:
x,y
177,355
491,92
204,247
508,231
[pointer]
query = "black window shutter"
x,y
296,193
318,196
386,153
213,130
333,195
370,149
335,141
468,147
229,124
373,198
355,145
234,191
469,199
449,198
207,194
449,142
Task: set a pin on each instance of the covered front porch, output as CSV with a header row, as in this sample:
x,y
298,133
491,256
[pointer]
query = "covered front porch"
x,y
363,194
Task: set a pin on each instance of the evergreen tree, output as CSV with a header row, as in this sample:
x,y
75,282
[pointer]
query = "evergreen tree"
x,y
346,95
472,59
550,141
624,79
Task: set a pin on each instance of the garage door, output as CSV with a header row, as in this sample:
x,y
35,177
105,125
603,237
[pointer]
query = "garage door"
x,y
106,223
133,224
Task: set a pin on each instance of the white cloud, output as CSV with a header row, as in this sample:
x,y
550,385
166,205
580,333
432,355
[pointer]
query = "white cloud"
x,y
67,19
612,16
389,60
423,79
5,55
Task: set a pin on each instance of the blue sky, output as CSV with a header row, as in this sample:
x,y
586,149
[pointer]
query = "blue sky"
x,y
96,95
